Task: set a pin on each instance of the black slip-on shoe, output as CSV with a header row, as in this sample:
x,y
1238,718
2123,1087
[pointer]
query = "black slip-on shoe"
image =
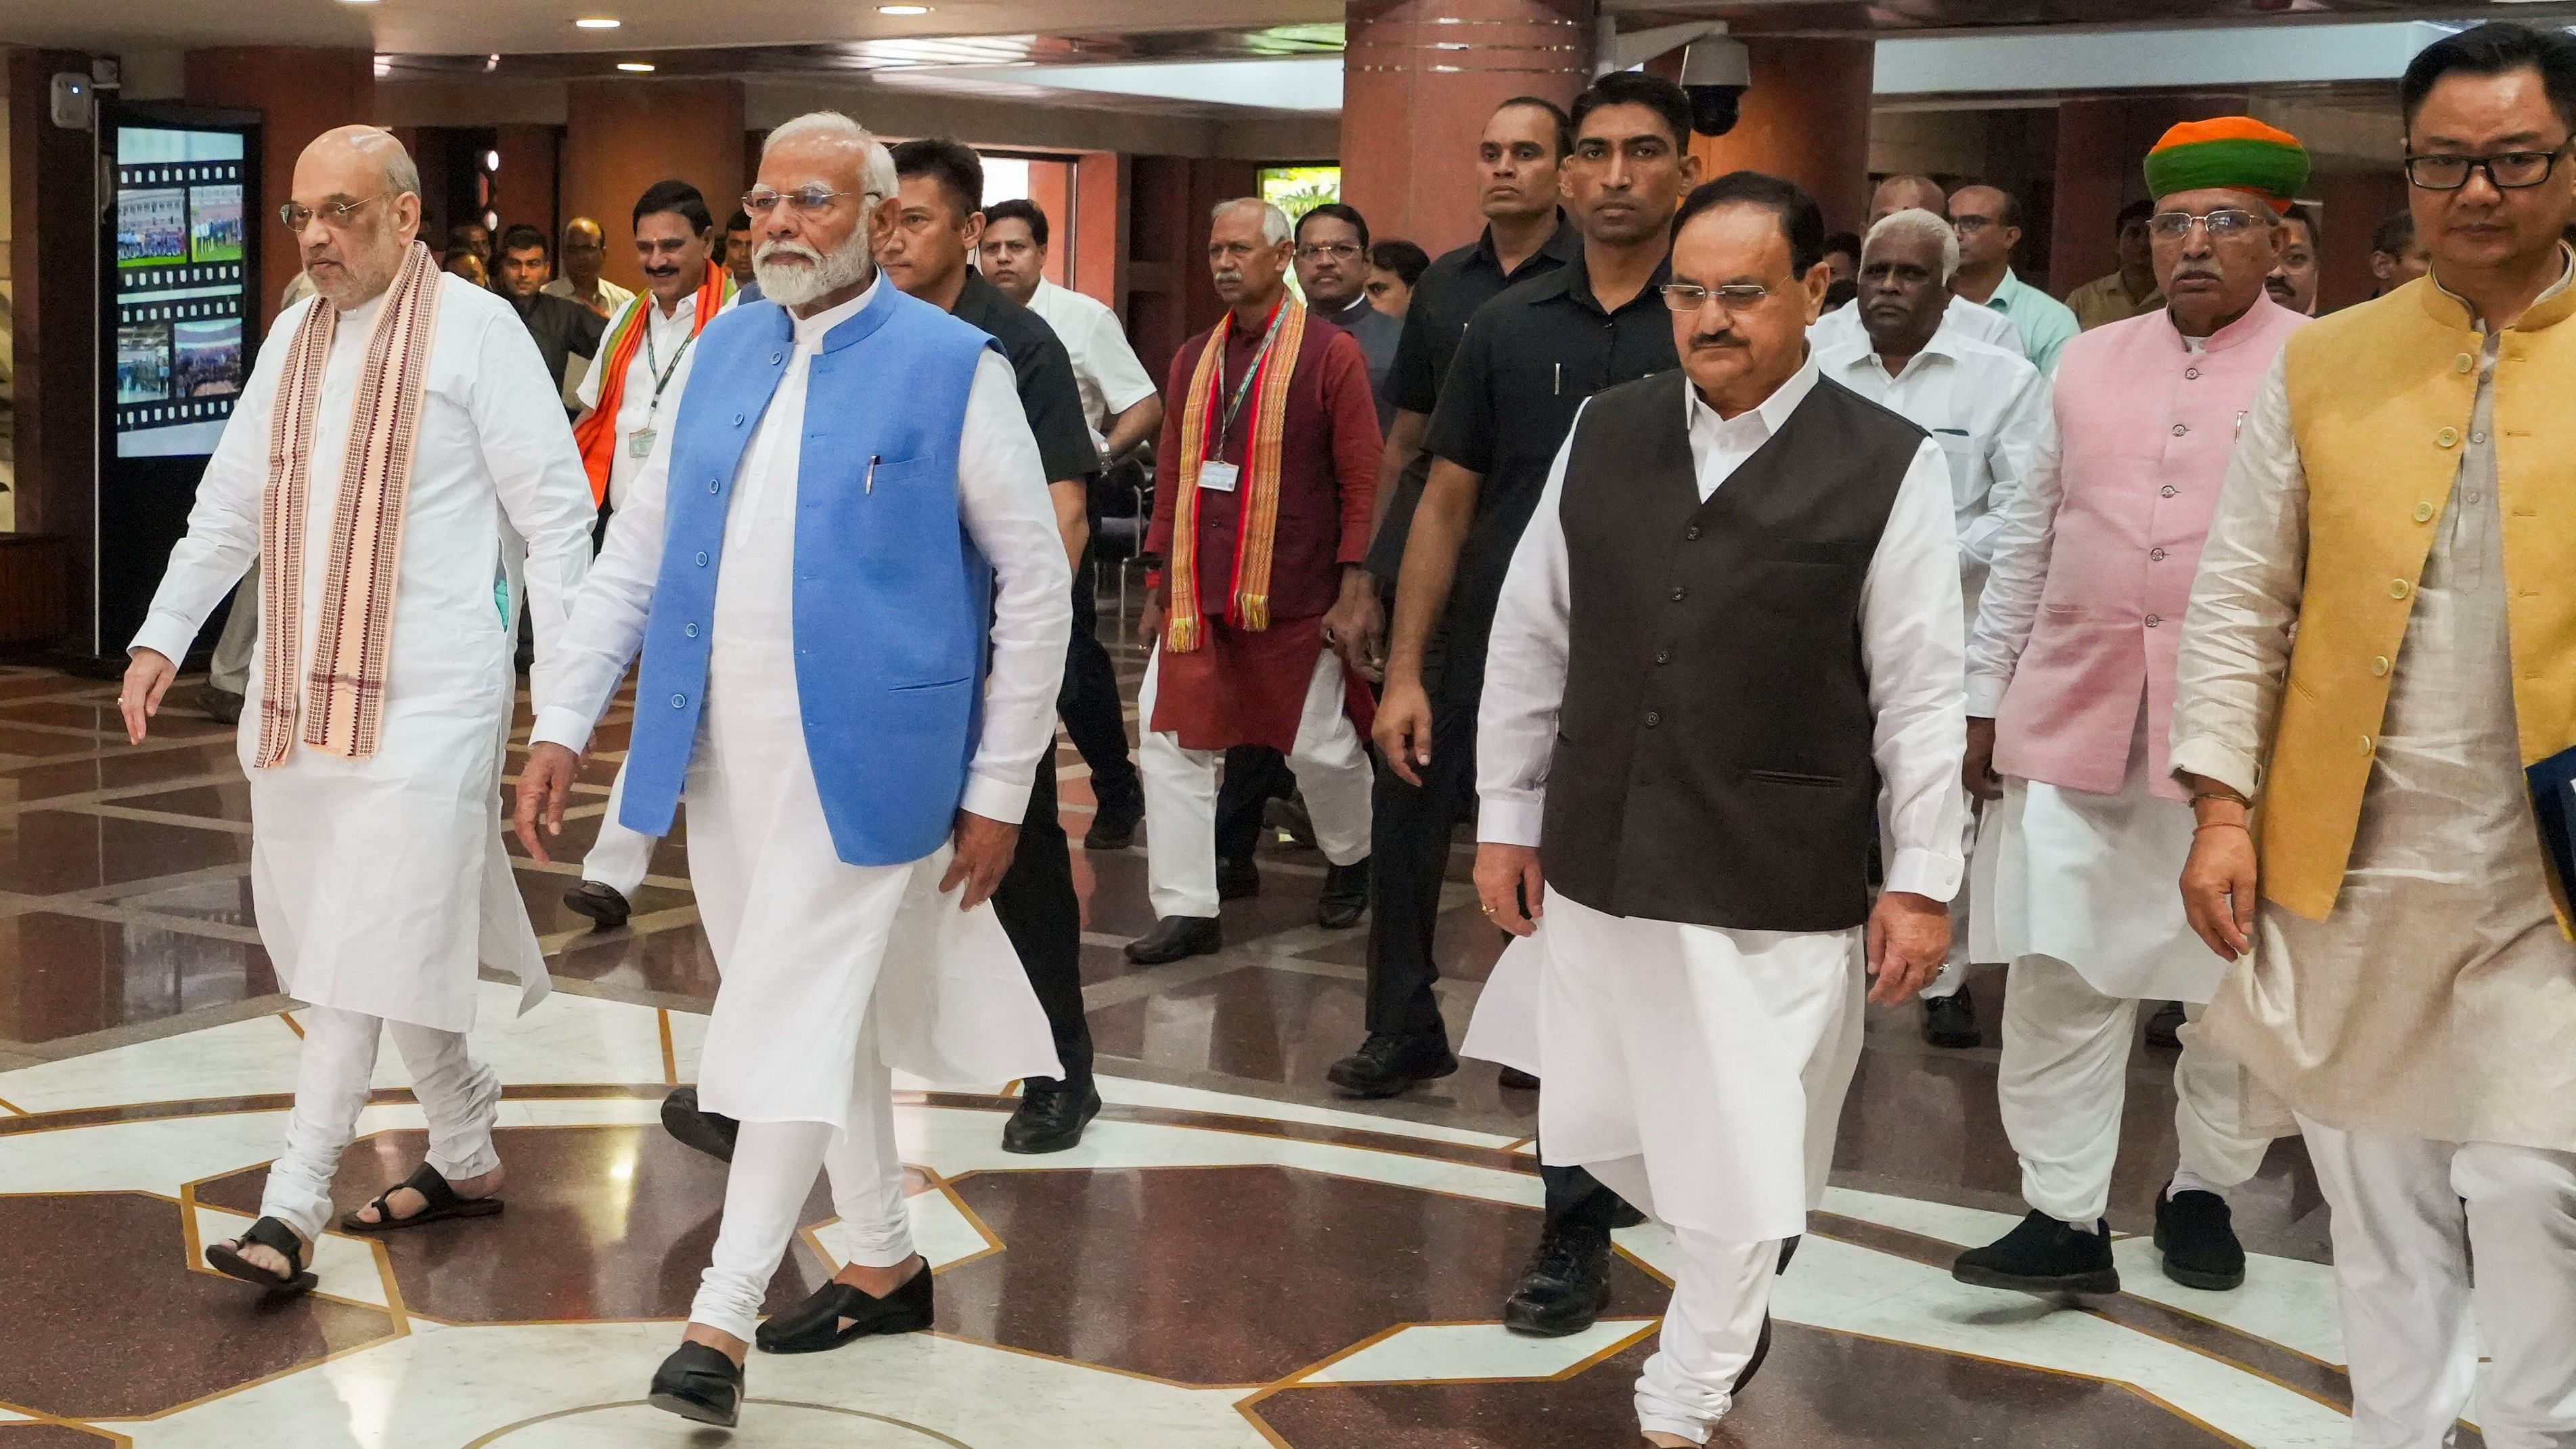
x,y
700,1383
2045,1257
1176,938
1237,880
606,905
1345,896
836,1313
712,1133
2197,1234
2164,1028
1951,1021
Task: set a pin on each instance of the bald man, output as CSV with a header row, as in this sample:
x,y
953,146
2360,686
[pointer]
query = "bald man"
x,y
585,247
1988,220
1841,328
398,431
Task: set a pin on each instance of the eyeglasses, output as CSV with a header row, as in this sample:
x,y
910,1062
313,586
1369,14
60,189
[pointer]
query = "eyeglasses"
x,y
2226,221
804,199
1338,251
1734,296
335,215
2506,170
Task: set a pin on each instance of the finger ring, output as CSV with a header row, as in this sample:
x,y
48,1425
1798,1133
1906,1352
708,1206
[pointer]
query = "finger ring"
x,y
1489,910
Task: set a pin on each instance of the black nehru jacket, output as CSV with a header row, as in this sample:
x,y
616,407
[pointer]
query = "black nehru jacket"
x,y
1045,371
1713,760
1529,359
563,330
1449,292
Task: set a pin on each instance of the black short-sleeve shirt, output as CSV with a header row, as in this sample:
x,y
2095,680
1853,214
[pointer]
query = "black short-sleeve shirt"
x,y
1045,372
1529,359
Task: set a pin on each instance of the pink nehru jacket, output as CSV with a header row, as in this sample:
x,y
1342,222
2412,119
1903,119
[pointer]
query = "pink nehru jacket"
x,y
2146,426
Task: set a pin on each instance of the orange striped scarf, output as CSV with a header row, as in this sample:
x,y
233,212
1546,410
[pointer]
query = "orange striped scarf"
x,y
596,433
1257,485
346,685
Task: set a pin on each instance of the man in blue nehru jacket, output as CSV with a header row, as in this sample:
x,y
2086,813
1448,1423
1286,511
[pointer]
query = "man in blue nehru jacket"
x,y
849,514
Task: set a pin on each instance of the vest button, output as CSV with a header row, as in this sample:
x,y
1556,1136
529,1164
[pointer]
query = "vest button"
x,y
1653,718
690,630
2170,490
713,485
2181,428
2192,373
2156,554
737,420
2365,744
1678,593
1663,656
773,358
2463,363
702,560
1691,532
2447,438
2379,665
2155,621
2398,588
679,700
2423,513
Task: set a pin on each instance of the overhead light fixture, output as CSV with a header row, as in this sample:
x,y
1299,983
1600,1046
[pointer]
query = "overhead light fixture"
x,y
597,22
639,67
903,10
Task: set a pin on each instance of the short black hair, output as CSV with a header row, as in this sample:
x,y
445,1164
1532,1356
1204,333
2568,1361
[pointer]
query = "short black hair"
x,y
678,196
739,221
1020,208
1846,242
1802,221
1555,112
2494,49
953,164
1401,257
1338,211
2301,213
2394,234
522,236
2138,210
1636,88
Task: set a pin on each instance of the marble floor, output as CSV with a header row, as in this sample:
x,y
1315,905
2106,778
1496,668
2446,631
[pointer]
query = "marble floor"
x,y
1233,1256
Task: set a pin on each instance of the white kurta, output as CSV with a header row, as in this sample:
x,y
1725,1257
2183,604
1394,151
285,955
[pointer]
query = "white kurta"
x,y
380,883
1683,1062
798,934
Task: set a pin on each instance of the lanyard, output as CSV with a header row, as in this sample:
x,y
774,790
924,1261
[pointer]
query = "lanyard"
x,y
652,364
1216,445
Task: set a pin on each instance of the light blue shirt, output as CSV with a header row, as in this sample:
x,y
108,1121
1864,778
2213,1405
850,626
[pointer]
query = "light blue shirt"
x,y
2044,322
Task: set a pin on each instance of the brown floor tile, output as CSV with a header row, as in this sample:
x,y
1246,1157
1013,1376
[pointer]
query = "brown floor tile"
x,y
116,771
227,902
44,852
65,975
1464,944
178,718
133,1331
1112,886
227,801
677,961
40,1435
1234,1274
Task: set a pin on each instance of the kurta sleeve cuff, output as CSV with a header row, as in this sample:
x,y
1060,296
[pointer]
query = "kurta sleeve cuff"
x,y
1510,817
1927,873
995,798
2204,756
165,634
1985,696
561,725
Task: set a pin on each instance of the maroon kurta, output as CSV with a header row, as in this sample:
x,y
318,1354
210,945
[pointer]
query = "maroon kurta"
x,y
1246,687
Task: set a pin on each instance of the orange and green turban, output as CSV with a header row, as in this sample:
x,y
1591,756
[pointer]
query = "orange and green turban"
x,y
2238,153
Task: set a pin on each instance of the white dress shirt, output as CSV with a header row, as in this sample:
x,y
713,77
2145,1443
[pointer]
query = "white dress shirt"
x,y
1910,645
1105,369
1002,502
667,343
1962,318
609,292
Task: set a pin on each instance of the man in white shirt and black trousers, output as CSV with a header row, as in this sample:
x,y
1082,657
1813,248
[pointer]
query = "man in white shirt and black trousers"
x,y
1726,661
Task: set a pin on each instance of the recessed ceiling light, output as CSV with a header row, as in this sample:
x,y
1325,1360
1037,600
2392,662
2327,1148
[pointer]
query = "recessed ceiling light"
x,y
903,10
597,22
637,66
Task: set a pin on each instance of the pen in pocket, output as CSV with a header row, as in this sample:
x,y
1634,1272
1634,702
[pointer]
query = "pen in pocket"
x,y
873,460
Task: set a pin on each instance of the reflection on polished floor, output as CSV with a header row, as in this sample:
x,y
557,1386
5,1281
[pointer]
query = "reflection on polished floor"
x,y
1231,1258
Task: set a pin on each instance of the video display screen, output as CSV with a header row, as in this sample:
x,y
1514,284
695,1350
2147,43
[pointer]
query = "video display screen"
x,y
182,288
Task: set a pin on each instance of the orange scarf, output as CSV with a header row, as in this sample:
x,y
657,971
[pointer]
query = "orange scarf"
x,y
1248,598
596,433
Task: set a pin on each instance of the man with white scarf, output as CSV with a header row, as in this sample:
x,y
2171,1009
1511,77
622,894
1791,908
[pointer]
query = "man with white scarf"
x,y
398,436
855,789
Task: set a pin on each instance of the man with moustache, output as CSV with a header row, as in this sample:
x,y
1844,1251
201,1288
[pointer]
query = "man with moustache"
x,y
394,430
1841,327
1988,220
2293,282
2070,690
1729,642
585,248
1333,269
1530,358
2381,651
850,455
1988,409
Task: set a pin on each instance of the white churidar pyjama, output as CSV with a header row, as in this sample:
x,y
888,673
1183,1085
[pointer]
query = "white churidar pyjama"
x,y
1332,769
459,1095
620,857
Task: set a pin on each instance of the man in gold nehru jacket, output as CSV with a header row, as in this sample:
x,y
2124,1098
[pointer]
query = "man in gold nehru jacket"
x,y
2396,544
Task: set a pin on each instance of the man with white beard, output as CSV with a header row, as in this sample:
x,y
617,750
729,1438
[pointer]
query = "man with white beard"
x,y
854,790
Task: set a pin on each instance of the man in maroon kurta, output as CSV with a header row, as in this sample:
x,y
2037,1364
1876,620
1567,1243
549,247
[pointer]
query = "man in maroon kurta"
x,y
1268,467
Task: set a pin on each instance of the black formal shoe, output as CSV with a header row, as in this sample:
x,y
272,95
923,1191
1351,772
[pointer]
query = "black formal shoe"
x,y
2197,1234
1113,820
1626,1215
605,905
1387,1064
700,1383
818,1323
1566,1284
2164,1028
1176,938
1345,896
712,1133
1287,815
1951,1021
1237,880
221,705
1513,1079
2045,1257
1051,1116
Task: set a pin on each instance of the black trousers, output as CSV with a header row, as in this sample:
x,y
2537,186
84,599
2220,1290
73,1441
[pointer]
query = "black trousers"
x,y
1255,775
1409,830
1088,703
1043,917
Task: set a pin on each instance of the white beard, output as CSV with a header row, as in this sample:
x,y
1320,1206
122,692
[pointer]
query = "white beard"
x,y
794,286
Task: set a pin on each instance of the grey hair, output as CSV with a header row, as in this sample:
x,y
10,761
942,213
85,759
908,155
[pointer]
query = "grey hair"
x,y
1274,222
876,175
1915,222
401,174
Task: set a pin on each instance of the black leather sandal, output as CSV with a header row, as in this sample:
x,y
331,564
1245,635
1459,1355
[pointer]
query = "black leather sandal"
x,y
270,1233
699,1383
441,1199
815,1325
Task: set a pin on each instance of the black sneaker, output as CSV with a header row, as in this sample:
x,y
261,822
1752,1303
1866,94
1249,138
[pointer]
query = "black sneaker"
x,y
2197,1234
1051,1116
1387,1064
1566,1284
2045,1257
1114,820
1951,1021
2164,1028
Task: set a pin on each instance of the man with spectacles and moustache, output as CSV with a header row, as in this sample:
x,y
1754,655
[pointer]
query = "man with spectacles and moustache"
x,y
585,248
1333,270
2070,689
2381,651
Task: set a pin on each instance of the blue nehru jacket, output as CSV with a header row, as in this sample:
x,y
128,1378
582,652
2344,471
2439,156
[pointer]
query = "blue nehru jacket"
x,y
892,600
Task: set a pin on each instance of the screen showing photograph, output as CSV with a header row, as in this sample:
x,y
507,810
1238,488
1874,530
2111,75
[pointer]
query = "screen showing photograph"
x,y
143,362
215,223
152,227
208,360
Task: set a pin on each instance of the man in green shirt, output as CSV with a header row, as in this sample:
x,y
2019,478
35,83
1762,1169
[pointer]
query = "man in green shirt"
x,y
1989,225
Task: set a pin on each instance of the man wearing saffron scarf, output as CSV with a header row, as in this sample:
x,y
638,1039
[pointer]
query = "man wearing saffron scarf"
x,y
1263,522
392,427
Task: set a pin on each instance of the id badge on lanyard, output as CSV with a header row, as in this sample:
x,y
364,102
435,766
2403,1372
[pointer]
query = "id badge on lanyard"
x,y
1218,477
1215,474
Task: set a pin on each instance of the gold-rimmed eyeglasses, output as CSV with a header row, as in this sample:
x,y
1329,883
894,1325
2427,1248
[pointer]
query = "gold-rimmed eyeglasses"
x,y
1734,296
334,214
